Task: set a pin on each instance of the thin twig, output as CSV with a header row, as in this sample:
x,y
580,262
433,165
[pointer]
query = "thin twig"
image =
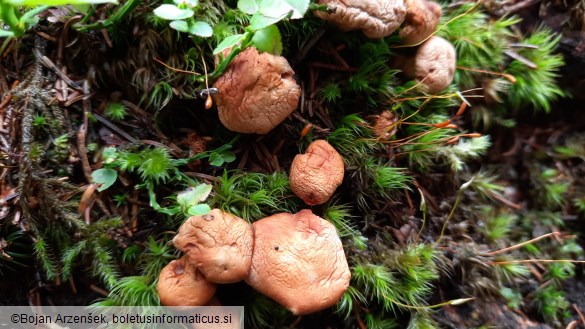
x,y
516,246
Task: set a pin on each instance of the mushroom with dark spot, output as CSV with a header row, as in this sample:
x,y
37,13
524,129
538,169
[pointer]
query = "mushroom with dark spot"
x,y
376,18
256,92
433,65
181,284
309,271
316,174
218,244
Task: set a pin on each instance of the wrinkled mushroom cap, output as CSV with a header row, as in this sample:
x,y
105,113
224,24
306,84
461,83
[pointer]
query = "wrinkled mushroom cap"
x,y
433,64
219,244
299,262
422,18
256,92
180,284
376,18
316,174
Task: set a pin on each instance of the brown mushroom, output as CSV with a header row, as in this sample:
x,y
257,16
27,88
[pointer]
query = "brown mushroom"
x,y
376,18
422,18
316,174
181,284
299,262
385,124
433,65
218,244
256,92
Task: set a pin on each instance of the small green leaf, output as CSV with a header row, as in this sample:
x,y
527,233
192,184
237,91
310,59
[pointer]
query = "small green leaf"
x,y
300,7
228,42
198,210
106,177
180,26
201,29
268,40
4,33
110,154
278,8
219,158
172,12
34,3
259,21
194,195
215,159
250,7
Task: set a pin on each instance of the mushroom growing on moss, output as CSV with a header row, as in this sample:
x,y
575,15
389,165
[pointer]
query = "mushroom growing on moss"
x,y
218,244
181,284
433,65
376,18
316,174
299,262
256,92
422,18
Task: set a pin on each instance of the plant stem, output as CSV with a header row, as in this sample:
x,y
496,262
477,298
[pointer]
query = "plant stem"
x,y
516,246
10,17
115,18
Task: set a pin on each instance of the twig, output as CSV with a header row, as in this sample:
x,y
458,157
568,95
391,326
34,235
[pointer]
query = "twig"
x,y
51,66
516,246
580,314
115,128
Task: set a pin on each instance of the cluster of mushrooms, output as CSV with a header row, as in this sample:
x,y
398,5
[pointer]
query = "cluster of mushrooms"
x,y
295,259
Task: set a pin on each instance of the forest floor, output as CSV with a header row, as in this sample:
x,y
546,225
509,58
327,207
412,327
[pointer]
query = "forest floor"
x,y
63,106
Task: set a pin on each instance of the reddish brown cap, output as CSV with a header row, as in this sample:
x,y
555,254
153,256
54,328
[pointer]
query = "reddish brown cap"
x,y
219,244
376,18
433,64
299,262
422,18
316,174
180,284
256,92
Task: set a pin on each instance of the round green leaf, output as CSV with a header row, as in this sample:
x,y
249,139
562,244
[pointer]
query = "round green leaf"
x,y
259,21
181,26
250,7
268,40
201,29
106,177
172,12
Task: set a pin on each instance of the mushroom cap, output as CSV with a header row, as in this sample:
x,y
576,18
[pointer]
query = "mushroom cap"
x,y
316,174
422,18
181,284
385,124
299,262
376,18
433,64
218,244
256,92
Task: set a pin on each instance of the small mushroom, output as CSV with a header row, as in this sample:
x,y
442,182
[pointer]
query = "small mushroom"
x,y
316,174
433,64
299,262
256,92
218,244
422,18
376,18
181,284
385,125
